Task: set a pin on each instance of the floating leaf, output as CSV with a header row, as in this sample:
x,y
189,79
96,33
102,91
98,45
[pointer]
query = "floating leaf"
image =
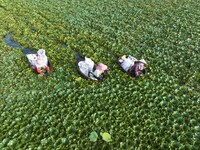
x,y
106,136
93,136
160,109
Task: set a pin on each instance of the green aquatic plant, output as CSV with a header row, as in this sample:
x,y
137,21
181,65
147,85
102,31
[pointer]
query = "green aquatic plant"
x,y
106,136
93,136
157,111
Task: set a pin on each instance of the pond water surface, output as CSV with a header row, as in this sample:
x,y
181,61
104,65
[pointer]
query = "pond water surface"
x,y
10,42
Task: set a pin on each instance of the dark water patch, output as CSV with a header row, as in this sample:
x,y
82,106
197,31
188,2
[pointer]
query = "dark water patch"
x,y
33,29
28,51
10,42
64,45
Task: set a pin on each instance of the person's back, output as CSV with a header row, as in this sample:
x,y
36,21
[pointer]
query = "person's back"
x,y
126,64
41,60
127,61
90,63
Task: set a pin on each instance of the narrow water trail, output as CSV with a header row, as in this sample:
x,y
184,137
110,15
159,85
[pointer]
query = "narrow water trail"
x,y
26,51
10,42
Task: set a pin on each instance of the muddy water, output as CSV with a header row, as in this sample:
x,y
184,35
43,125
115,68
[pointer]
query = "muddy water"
x,y
8,40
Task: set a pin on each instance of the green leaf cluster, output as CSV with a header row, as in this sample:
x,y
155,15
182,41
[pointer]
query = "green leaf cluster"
x,y
158,111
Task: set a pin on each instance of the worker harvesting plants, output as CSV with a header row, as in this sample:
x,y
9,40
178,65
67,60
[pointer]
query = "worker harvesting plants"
x,y
39,62
90,70
132,66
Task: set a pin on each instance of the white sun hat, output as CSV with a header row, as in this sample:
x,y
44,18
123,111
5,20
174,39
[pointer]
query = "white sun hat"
x,y
142,61
41,52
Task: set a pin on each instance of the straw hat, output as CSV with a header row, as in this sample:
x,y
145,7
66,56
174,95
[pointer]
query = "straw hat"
x,y
142,61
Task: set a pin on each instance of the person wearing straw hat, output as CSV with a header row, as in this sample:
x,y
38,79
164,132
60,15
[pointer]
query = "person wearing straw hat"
x,y
138,68
133,66
39,61
42,62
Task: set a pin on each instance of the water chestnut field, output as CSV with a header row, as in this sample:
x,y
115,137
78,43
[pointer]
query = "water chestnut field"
x,y
160,110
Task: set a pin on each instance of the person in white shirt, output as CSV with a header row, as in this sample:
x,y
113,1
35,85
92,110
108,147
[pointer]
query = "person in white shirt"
x,y
132,65
39,61
87,67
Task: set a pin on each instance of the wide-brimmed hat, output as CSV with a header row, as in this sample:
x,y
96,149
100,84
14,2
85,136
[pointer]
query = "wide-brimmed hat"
x,y
41,52
142,61
102,67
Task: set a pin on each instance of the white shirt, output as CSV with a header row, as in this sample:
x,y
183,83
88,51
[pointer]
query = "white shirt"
x,y
127,62
86,66
37,61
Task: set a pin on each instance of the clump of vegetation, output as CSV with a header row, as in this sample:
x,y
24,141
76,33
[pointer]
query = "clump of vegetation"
x,y
158,111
